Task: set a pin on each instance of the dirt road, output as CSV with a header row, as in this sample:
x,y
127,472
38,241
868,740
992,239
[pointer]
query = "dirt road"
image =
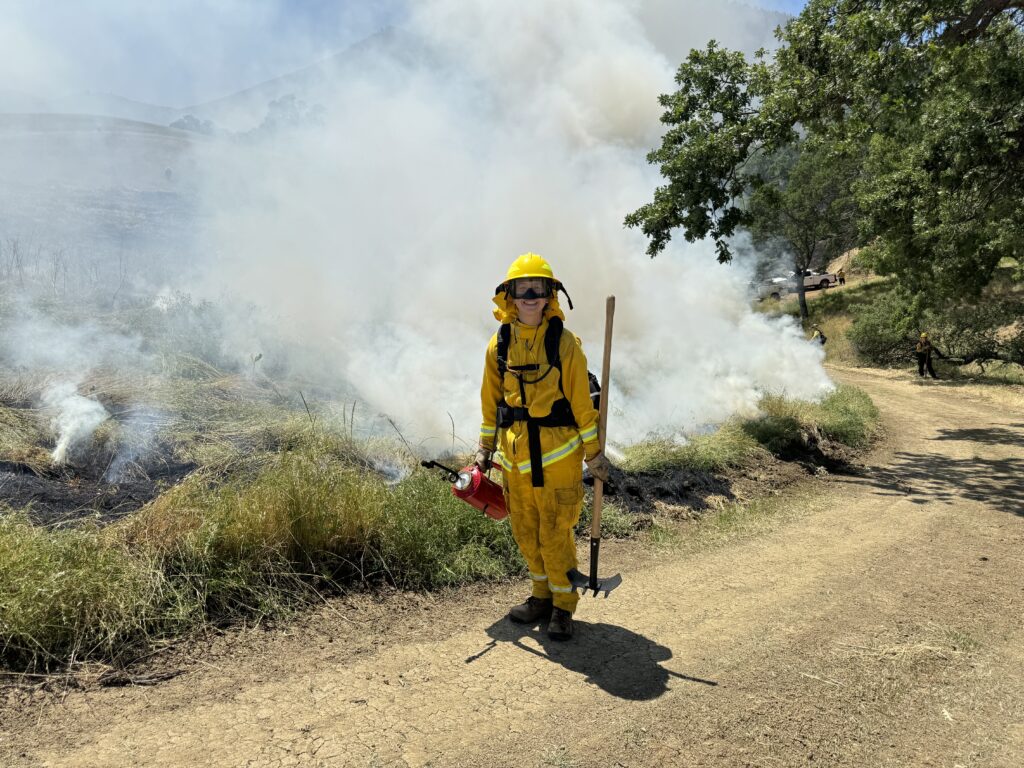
x,y
876,622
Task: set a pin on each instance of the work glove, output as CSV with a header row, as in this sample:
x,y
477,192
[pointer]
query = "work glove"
x,y
483,459
599,466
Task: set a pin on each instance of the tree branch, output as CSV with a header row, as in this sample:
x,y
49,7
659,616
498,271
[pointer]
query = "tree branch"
x,y
978,20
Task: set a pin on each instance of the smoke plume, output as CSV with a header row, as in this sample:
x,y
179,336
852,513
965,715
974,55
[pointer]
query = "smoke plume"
x,y
482,130
351,221
73,417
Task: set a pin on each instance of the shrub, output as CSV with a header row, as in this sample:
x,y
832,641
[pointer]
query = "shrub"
x,y
972,331
882,331
848,416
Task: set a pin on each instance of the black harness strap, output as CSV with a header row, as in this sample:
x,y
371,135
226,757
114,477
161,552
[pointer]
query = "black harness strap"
x,y
561,411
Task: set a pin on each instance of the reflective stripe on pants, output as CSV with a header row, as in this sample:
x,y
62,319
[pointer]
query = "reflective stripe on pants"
x,y
543,520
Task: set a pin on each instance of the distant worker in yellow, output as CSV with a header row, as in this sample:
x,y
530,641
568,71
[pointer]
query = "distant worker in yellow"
x,y
818,336
539,424
924,350
841,276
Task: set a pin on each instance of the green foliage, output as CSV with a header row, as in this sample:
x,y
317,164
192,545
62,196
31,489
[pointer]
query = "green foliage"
x,y
802,198
714,129
922,97
978,331
310,513
884,331
848,416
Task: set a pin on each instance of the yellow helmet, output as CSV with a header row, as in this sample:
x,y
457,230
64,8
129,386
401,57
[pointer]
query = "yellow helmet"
x,y
924,335
529,265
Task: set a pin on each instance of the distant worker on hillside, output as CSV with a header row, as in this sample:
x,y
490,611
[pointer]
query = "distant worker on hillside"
x,y
818,336
841,274
539,424
924,350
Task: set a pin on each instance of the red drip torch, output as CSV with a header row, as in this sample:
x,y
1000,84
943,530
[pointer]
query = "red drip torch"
x,y
475,488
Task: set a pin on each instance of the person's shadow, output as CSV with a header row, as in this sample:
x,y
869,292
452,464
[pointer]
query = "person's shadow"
x,y
623,663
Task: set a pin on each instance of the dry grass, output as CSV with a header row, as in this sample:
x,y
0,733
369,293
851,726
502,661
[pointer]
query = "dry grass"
x,y
250,546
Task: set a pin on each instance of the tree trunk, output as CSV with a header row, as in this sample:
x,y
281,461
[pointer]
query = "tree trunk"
x,y
800,263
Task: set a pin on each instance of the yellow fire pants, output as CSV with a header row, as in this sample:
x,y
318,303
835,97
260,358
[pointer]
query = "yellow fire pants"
x,y
542,524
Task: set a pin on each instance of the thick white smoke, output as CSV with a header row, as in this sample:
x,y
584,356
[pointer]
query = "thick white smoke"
x,y
73,416
484,130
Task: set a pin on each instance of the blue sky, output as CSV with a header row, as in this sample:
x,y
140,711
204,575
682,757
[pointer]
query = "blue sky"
x,y
787,6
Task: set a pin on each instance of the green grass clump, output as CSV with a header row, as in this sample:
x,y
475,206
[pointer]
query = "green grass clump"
x,y
846,415
616,523
311,513
70,594
729,446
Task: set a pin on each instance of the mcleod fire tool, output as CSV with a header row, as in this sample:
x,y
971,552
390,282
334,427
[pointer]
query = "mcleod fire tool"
x,y
594,582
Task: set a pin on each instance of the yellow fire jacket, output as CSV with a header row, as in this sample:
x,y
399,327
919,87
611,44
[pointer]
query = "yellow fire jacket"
x,y
542,390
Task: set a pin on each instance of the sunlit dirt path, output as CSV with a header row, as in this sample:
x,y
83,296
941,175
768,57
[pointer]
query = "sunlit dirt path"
x,y
875,622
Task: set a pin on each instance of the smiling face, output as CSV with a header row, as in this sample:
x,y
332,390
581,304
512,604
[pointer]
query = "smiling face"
x,y
531,310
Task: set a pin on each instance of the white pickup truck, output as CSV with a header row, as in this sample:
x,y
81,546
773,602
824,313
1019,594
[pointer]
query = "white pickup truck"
x,y
813,280
778,287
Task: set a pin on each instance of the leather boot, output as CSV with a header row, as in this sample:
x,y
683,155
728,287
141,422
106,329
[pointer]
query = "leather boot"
x,y
561,625
532,611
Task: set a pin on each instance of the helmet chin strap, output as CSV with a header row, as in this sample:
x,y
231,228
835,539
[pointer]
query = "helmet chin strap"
x,y
560,287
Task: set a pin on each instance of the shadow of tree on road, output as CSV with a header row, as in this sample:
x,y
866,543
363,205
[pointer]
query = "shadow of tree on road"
x,y
621,662
930,477
995,435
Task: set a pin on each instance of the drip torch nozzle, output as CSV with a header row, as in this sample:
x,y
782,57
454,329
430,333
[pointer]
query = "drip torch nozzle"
x,y
450,474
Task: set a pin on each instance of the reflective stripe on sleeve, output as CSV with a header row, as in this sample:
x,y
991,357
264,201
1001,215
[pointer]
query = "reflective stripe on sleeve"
x,y
589,435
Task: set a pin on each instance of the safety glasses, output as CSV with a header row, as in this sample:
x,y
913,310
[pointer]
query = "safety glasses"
x,y
530,288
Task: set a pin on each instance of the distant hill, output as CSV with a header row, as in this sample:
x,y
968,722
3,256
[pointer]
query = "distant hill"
x,y
111,105
104,185
87,103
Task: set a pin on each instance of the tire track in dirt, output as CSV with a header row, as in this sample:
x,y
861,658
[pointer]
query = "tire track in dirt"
x,y
876,623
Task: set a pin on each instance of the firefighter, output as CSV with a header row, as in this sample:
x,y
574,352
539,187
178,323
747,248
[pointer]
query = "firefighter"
x,y
539,424
818,336
841,276
924,350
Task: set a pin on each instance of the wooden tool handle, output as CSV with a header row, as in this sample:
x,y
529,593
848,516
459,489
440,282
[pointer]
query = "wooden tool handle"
x,y
602,418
